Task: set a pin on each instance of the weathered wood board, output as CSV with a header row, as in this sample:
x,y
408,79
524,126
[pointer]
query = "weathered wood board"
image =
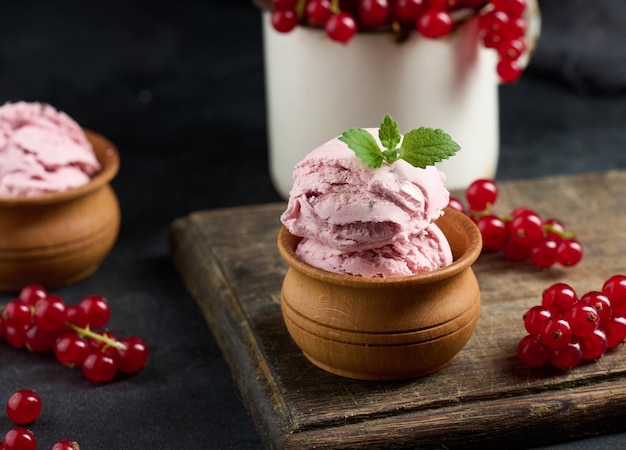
x,y
229,263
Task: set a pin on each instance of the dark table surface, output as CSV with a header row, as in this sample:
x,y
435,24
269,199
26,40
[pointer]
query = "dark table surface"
x,y
166,81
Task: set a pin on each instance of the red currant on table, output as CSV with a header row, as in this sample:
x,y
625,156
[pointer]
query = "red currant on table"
x,y
96,309
566,329
50,313
23,406
19,438
65,444
73,332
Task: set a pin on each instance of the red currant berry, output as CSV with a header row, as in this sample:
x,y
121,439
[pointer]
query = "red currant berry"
x,y
318,11
569,253
374,13
31,293
556,333
513,8
515,251
341,27
77,316
615,289
493,21
532,351
559,298
440,4
601,304
407,11
515,29
39,340
284,20
615,330
17,314
19,438
512,49
455,203
509,70
544,253
97,310
554,229
527,229
65,444
593,345
535,319
566,357
50,313
71,350
481,195
286,4
134,357
583,319
23,406
99,367
494,232
15,336
434,23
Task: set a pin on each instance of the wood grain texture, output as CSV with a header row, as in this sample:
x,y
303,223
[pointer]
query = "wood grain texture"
x,y
229,263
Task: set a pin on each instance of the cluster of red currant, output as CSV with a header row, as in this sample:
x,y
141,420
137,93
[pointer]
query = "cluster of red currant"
x,y
566,329
41,321
24,407
523,235
501,22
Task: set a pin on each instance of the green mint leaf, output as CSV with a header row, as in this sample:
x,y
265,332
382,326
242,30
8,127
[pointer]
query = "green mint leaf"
x,y
424,147
392,155
388,133
364,146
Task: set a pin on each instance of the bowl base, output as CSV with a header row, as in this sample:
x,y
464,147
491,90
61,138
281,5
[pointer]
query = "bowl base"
x,y
379,376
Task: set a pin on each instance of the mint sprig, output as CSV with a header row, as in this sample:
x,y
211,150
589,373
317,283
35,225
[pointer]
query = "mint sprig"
x,y
420,147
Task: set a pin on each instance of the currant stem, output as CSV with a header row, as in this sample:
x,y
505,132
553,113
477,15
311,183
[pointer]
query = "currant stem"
x,y
334,6
300,8
86,332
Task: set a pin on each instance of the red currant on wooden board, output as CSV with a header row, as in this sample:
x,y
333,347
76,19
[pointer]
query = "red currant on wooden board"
x,y
566,329
522,235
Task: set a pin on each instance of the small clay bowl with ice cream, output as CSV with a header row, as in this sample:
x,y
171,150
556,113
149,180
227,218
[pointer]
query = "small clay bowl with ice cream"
x,y
56,239
384,328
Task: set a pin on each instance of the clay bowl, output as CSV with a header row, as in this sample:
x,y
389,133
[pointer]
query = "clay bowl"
x,y
60,238
384,328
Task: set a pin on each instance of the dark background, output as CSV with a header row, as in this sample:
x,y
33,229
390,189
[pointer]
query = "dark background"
x,y
179,88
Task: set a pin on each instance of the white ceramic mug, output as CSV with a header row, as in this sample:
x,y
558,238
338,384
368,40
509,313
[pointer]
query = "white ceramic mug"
x,y
317,88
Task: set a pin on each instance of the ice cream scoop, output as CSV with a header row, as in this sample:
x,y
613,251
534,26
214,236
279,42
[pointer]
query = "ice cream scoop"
x,y
373,222
42,150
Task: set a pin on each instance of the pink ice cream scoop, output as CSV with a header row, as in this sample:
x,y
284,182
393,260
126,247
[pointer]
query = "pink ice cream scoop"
x,y
362,221
42,150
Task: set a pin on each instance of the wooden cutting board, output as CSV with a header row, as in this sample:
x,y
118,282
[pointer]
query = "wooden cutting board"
x,y
229,263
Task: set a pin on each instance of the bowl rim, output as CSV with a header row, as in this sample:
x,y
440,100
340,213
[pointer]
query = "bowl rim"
x,y
286,249
108,157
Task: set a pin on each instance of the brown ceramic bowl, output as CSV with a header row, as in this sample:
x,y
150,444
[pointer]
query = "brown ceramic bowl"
x,y
60,238
384,328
